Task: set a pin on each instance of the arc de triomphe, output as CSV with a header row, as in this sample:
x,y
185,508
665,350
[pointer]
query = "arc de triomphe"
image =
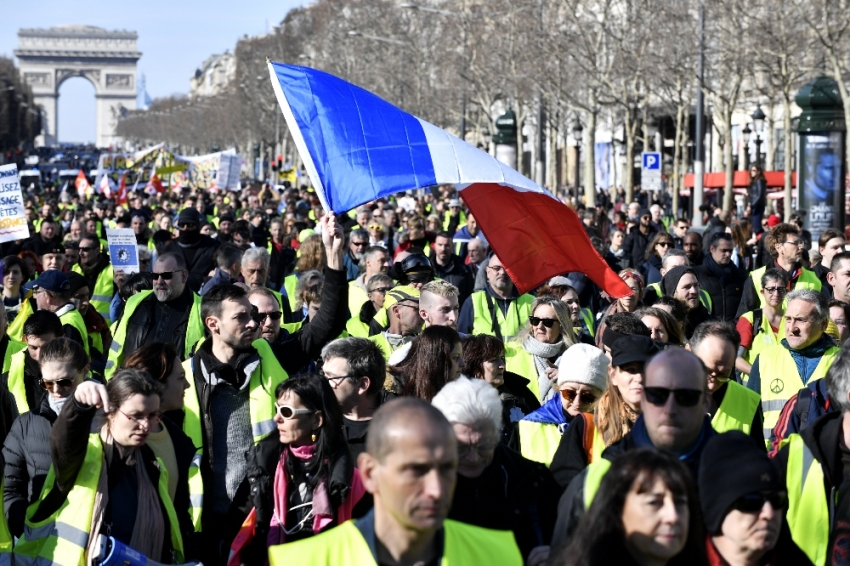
x,y
47,57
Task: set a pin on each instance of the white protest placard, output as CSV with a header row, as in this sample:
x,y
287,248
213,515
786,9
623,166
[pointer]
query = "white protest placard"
x,y
13,218
122,249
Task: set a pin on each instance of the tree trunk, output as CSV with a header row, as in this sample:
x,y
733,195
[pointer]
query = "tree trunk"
x,y
629,166
674,181
727,152
590,160
789,153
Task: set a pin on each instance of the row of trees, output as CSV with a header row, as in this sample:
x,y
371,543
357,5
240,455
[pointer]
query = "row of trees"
x,y
20,121
614,64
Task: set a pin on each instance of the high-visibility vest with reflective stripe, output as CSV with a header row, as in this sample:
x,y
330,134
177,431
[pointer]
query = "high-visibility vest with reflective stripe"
x,y
261,405
357,295
356,327
704,297
13,348
290,282
447,219
194,331
279,298
104,289
16,327
539,441
464,545
806,280
593,478
520,362
15,382
780,380
763,337
75,319
737,410
62,538
808,502
519,310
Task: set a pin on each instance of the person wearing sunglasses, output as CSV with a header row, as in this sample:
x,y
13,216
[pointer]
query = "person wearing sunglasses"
x,y
255,266
52,292
98,271
785,245
673,419
376,292
375,261
764,326
63,365
358,241
115,460
402,309
306,456
536,350
721,278
582,378
23,375
197,250
660,244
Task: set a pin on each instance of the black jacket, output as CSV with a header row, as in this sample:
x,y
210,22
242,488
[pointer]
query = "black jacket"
x,y
199,257
27,455
281,265
458,274
724,286
635,245
143,319
694,318
356,436
757,195
512,494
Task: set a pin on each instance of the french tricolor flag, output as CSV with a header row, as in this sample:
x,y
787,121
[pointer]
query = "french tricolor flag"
x,y
357,147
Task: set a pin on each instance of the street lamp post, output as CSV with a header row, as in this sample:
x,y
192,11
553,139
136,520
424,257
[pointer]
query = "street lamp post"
x,y
746,134
758,124
577,131
378,38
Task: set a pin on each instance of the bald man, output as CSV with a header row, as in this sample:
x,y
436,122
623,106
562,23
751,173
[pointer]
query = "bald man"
x,y
674,419
409,467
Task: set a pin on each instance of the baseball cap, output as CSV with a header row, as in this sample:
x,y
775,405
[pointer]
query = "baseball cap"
x,y
632,348
399,294
52,280
189,215
454,202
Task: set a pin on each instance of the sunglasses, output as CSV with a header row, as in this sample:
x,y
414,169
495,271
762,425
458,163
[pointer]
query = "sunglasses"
x,y
86,248
60,383
547,322
665,244
260,317
772,290
684,397
287,412
187,226
584,398
753,502
167,275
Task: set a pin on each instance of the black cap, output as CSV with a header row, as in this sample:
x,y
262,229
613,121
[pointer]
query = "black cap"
x,y
632,348
226,217
77,281
731,466
162,236
671,279
189,215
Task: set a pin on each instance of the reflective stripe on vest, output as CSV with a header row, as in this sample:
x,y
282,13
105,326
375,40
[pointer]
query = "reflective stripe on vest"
x,y
75,319
539,441
520,362
345,546
519,310
194,330
62,538
737,410
593,478
104,289
808,504
261,402
15,382
780,380
806,280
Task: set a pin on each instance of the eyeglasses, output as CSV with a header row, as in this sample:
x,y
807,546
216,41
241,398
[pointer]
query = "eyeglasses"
x,y
408,306
753,502
547,322
381,290
261,317
684,397
287,412
147,421
60,383
772,290
798,243
332,379
167,275
86,249
584,398
187,226
358,244
483,450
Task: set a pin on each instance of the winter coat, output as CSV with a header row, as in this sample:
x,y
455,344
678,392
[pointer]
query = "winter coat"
x,y
635,245
724,286
201,263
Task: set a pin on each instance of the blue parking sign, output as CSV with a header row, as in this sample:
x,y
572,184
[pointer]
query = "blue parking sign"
x,y
651,161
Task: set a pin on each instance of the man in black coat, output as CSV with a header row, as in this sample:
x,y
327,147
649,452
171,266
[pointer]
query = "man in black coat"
x,y
722,279
637,240
448,266
197,249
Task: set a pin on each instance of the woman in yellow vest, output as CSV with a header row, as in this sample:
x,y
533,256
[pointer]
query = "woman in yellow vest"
x,y
311,257
108,482
582,378
535,352
764,326
64,366
302,477
167,439
376,290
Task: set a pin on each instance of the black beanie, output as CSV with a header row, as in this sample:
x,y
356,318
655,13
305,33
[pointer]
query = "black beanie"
x,y
671,278
732,465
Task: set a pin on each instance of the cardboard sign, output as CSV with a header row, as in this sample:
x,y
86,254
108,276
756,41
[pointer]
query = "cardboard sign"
x,y
13,218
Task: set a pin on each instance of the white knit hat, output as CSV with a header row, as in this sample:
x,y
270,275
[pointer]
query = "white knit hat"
x,y
583,363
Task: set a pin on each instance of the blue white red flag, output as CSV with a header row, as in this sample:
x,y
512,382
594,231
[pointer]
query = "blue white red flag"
x,y
357,147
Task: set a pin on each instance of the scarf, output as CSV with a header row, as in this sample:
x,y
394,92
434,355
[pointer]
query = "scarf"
x,y
396,341
321,512
542,352
149,527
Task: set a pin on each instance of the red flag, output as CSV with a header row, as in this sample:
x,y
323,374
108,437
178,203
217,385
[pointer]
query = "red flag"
x,y
537,237
121,195
154,185
82,184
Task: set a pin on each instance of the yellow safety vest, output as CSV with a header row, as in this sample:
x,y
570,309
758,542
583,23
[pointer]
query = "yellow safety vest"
x,y
539,441
806,280
587,318
519,310
357,295
104,289
261,405
62,539
520,362
464,545
75,319
356,327
780,380
381,341
593,478
290,282
194,331
737,410
808,503
763,337
15,383
447,219
15,329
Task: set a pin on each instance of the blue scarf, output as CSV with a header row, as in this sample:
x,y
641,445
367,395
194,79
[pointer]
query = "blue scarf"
x,y
552,412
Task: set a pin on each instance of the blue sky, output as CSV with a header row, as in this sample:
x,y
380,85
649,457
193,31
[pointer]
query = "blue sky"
x,y
174,37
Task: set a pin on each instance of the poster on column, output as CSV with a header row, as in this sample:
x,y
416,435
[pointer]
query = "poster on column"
x,y
820,176
13,218
122,249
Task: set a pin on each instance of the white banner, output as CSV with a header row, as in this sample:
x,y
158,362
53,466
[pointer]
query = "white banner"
x,y
13,218
122,249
